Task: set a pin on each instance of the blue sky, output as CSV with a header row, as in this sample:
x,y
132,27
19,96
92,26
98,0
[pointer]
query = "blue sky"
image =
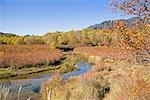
x,y
40,16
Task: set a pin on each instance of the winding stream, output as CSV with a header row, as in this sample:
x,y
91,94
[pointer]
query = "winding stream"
x,y
33,84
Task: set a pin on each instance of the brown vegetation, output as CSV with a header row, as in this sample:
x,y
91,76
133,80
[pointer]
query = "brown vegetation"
x,y
117,73
137,36
115,76
83,88
130,83
106,52
126,78
18,56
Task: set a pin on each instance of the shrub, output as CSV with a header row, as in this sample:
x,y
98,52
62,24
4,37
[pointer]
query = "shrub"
x,y
75,88
34,40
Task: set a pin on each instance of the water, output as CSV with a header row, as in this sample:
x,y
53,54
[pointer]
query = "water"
x,y
33,84
82,68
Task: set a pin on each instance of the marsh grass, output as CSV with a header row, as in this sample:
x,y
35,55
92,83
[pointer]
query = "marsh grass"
x,y
74,88
4,93
27,56
13,73
69,63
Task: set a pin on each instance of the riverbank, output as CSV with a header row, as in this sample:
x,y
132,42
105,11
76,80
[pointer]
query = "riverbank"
x,y
31,87
30,82
24,73
114,74
23,60
62,64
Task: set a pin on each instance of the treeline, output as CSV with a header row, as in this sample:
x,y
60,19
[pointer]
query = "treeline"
x,y
88,37
21,40
136,36
7,34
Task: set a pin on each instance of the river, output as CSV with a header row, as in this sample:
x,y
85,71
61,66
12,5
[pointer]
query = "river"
x,y
33,84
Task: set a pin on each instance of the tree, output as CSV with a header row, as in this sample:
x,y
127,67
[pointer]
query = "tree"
x,y
140,29
20,41
135,37
134,7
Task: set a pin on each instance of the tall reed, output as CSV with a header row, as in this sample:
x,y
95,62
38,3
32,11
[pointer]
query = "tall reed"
x,y
4,92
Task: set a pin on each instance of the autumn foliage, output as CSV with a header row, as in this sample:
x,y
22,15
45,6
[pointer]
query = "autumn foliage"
x,y
134,7
18,56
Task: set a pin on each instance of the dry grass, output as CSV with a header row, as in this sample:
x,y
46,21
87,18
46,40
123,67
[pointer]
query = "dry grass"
x,y
114,77
127,79
132,83
4,93
76,88
19,56
106,52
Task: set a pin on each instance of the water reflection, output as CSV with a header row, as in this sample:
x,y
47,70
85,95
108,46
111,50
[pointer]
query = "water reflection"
x,y
33,84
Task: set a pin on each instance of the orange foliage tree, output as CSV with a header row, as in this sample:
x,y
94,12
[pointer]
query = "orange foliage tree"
x,y
135,7
137,35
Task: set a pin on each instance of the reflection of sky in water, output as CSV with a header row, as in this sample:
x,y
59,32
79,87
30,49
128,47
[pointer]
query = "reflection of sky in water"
x,y
82,67
33,84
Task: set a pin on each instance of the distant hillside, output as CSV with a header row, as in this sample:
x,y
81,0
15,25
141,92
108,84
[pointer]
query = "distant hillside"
x,y
109,24
7,34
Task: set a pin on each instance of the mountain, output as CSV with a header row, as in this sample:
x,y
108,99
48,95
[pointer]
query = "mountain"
x,y
109,24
